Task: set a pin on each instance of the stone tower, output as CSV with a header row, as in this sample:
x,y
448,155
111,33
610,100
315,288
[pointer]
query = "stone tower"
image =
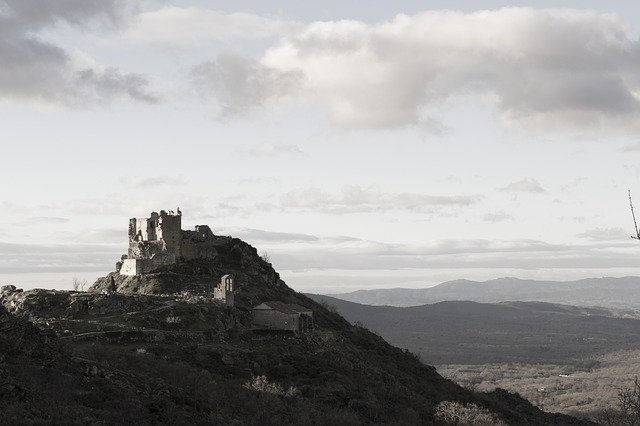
x,y
154,242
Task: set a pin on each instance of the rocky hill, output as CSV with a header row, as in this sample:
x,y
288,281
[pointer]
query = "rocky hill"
x,y
161,350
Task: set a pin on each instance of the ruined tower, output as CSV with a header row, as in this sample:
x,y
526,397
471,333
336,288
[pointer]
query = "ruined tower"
x,y
154,242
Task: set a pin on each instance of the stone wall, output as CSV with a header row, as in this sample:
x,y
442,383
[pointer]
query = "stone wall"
x,y
224,290
272,319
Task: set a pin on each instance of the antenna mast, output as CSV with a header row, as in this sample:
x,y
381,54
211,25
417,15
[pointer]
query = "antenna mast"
x,y
637,236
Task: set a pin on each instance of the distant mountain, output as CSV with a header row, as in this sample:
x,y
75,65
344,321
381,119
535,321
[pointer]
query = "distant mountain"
x,y
605,292
462,332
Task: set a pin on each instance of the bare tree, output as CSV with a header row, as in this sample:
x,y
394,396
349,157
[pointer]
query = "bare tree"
x,y
637,236
628,410
79,284
265,256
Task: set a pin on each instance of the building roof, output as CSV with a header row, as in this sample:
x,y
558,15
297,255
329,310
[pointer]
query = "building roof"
x,y
286,308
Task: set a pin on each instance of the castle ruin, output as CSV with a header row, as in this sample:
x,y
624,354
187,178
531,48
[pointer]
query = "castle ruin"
x,y
158,241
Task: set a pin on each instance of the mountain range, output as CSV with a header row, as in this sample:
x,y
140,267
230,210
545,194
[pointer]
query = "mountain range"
x,y
606,292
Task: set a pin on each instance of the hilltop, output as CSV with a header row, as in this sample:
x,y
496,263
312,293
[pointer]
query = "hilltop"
x,y
160,349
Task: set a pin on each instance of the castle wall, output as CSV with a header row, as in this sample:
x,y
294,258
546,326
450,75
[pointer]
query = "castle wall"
x,y
131,267
197,250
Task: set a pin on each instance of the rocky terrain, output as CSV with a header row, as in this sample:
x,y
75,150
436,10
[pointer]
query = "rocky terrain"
x,y
161,350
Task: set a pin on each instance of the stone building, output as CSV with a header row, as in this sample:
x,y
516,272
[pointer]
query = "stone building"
x,y
224,290
282,316
158,241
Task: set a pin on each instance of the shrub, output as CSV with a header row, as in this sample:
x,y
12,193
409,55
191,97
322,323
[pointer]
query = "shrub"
x,y
261,384
455,413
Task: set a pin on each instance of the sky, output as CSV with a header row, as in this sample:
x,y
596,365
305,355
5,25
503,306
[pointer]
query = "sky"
x,y
401,144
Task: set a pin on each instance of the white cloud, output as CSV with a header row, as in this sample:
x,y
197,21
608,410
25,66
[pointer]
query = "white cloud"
x,y
548,69
149,182
269,150
259,235
461,255
24,258
186,25
632,147
606,234
524,185
357,199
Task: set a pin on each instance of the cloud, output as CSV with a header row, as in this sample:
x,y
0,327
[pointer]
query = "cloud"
x,y
258,235
242,85
632,147
357,199
559,69
497,217
36,69
270,150
29,258
453,254
149,182
524,185
181,25
46,220
606,234
12,208
95,236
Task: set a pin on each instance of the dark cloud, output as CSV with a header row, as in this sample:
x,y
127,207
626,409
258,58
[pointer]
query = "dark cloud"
x,y
240,85
41,13
36,69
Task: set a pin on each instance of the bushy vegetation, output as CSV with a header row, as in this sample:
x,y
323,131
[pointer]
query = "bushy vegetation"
x,y
585,389
261,384
455,413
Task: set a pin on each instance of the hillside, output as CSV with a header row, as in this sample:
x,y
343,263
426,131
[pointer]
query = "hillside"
x,y
607,292
160,350
460,332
